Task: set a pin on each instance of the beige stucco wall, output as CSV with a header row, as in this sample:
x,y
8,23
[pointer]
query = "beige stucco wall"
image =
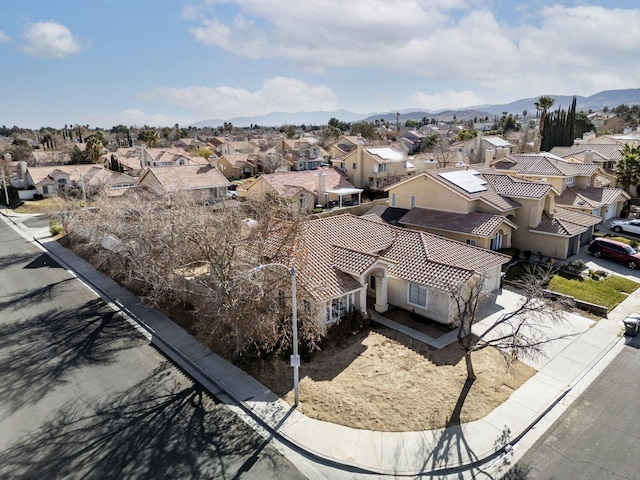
x,y
547,245
438,307
429,194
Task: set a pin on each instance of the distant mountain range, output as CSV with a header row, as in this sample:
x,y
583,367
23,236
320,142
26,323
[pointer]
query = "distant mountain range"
x,y
607,98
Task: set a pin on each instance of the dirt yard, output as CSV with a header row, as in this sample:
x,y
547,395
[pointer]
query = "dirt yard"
x,y
384,380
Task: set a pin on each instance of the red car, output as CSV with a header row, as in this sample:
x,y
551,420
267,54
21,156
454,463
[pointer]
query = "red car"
x,y
603,247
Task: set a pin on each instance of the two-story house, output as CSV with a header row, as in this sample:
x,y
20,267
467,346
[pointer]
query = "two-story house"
x,y
491,210
374,167
583,187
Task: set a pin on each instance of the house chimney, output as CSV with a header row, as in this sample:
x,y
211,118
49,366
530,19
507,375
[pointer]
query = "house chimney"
x,y
24,180
321,188
488,156
588,156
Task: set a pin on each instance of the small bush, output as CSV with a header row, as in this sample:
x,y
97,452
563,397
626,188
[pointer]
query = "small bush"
x,y
317,210
577,265
348,326
54,227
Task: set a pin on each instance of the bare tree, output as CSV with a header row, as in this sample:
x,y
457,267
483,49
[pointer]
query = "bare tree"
x,y
176,252
516,334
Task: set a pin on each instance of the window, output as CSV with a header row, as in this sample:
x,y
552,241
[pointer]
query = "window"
x,y
372,282
393,199
382,168
569,180
496,242
417,295
413,201
354,166
46,189
471,242
339,307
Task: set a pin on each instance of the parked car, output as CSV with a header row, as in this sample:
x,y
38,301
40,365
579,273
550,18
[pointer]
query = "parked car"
x,y
629,226
604,247
232,191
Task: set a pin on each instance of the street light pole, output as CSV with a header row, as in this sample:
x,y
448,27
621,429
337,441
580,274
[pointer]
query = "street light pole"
x,y
295,357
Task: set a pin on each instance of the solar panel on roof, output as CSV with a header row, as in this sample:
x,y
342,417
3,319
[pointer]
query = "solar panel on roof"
x,y
466,179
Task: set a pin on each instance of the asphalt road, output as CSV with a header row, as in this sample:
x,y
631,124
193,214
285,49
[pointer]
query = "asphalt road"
x,y
84,395
597,437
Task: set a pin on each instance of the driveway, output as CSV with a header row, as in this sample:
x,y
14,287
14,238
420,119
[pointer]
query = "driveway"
x,y
609,266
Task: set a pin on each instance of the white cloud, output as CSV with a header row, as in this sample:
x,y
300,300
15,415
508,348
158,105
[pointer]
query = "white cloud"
x,y
554,49
276,94
133,116
445,100
50,39
3,37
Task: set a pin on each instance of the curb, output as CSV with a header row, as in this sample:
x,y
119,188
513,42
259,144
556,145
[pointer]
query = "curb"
x,y
203,378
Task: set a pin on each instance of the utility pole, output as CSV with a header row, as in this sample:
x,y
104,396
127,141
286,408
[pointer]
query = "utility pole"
x,y
4,184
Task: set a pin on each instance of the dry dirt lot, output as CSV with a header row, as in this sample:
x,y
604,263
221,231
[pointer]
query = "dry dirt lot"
x,y
383,380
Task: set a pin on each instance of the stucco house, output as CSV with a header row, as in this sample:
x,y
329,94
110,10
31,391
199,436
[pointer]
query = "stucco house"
x,y
205,182
374,167
351,259
57,180
583,187
238,165
168,157
323,186
302,153
482,207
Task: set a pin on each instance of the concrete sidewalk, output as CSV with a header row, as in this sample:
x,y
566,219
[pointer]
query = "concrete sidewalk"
x,y
397,453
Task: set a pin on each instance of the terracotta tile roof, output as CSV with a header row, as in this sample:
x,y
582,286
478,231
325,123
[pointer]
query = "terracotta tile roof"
x,y
239,160
516,187
349,243
173,155
88,172
565,222
352,261
607,152
474,223
545,164
187,177
590,197
282,182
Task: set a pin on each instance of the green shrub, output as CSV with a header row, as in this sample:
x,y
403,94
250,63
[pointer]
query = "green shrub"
x,y
317,210
54,227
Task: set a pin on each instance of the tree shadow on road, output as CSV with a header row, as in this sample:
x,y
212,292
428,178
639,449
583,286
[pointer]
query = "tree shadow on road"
x,y
32,296
163,427
453,455
40,353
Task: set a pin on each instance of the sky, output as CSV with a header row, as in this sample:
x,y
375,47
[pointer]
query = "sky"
x,y
152,62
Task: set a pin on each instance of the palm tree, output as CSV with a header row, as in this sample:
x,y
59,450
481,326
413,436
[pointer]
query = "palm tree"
x,y
95,146
543,104
628,167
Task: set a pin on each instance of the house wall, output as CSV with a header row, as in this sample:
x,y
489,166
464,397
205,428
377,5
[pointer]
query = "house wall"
x,y
438,302
229,171
429,194
547,245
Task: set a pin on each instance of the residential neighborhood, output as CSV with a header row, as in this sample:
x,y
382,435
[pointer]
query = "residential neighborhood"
x,y
322,240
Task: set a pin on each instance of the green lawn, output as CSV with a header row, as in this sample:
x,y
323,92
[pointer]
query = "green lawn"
x,y
607,292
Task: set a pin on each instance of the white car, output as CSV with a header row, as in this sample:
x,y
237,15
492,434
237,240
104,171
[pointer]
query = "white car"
x,y
629,226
